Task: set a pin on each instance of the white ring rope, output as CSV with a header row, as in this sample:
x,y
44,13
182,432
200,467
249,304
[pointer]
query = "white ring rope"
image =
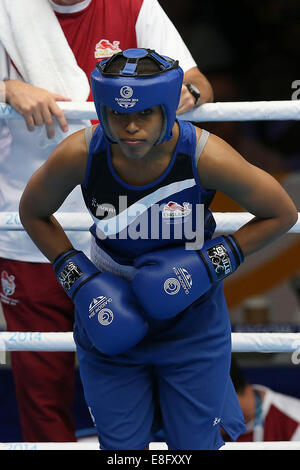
x,y
81,221
279,445
63,341
231,111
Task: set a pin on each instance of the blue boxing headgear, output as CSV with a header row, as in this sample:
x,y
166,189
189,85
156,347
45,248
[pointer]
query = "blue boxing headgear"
x,y
129,91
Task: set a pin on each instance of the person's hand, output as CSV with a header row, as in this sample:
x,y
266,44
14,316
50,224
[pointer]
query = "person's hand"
x,y
36,105
187,101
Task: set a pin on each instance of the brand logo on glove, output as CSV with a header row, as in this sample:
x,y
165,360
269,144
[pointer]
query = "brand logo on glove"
x,y
98,304
105,316
185,279
220,260
69,275
171,286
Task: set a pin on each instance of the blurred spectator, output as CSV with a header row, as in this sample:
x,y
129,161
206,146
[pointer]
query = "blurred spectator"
x,y
269,415
255,44
256,310
295,286
242,135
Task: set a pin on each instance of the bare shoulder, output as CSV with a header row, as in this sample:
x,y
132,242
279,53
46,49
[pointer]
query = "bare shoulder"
x,y
72,147
221,167
198,131
215,149
220,163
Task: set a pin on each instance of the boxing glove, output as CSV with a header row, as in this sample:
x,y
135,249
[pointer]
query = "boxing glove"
x,y
105,303
170,280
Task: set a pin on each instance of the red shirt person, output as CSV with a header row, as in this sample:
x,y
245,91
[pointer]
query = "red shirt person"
x,y
92,30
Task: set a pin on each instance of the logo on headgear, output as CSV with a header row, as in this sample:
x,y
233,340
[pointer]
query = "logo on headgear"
x,y
126,91
126,101
105,316
171,286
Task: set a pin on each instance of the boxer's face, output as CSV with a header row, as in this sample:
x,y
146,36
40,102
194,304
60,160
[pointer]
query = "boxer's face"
x,y
136,133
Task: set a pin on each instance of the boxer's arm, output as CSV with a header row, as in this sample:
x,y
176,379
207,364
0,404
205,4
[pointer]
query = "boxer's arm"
x,y
222,168
46,191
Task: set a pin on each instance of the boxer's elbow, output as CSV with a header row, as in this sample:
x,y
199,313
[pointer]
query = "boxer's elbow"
x,y
27,208
289,218
24,210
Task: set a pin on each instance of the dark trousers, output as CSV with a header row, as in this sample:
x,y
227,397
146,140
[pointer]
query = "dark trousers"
x,y
33,300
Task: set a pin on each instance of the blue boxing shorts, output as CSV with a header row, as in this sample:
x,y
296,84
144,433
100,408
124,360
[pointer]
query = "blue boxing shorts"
x,y
182,367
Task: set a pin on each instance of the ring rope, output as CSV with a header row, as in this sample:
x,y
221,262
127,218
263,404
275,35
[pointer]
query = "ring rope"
x,y
229,111
63,341
81,221
277,445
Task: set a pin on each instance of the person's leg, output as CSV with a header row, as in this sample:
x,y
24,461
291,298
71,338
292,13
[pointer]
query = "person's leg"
x,y
191,398
232,416
45,395
33,300
118,394
193,376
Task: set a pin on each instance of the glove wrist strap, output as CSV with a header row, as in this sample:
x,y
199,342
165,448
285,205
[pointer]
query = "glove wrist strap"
x,y
236,248
73,269
221,257
62,258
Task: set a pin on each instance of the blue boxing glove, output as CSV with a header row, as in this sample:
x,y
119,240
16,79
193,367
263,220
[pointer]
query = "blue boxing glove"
x,y
105,303
168,281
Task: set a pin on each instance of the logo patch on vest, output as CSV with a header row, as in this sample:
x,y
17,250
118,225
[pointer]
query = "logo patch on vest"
x,y
105,48
174,210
